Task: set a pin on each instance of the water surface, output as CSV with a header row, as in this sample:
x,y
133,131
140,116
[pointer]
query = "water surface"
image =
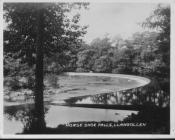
x,y
98,99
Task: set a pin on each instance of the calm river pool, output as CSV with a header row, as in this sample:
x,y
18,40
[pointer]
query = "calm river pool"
x,y
81,99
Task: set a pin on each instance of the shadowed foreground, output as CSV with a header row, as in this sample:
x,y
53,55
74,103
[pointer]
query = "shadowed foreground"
x,y
154,120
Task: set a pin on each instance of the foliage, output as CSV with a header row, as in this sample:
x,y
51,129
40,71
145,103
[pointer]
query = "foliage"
x,y
103,64
37,31
160,19
61,36
85,59
146,53
104,56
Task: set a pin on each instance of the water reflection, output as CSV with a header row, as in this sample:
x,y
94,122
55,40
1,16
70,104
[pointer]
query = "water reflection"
x,y
20,118
150,94
24,117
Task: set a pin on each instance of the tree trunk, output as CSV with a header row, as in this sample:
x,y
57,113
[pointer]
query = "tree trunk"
x,y
39,103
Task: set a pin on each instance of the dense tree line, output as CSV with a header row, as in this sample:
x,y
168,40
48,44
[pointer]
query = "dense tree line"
x,y
134,56
146,53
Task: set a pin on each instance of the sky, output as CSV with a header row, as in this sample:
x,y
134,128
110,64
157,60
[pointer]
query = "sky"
x,y
115,19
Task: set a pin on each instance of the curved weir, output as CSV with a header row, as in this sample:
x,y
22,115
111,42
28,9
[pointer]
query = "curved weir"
x,y
120,82
142,80
82,97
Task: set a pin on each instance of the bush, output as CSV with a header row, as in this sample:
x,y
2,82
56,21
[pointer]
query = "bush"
x,y
13,83
52,80
81,70
103,64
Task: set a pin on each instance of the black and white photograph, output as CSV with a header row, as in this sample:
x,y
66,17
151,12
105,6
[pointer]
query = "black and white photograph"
x,y
86,68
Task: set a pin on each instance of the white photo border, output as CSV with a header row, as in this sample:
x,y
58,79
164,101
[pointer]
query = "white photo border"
x,y
102,136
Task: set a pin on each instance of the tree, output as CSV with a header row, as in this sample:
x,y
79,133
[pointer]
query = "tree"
x,y
144,47
85,60
38,30
103,64
101,45
104,42
160,20
117,41
122,60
